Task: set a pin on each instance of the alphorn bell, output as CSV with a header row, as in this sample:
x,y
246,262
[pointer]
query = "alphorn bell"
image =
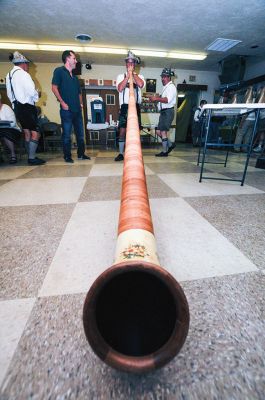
x,y
135,315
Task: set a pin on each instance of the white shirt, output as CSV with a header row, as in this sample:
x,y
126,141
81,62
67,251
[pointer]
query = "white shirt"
x,y
169,91
197,114
23,87
124,95
7,114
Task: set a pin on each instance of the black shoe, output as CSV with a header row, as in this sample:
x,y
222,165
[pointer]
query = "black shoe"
x,y
84,157
119,157
69,160
43,161
171,148
162,154
13,160
36,161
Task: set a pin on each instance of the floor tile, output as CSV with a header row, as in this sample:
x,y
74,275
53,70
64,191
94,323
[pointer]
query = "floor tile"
x,y
3,182
105,160
29,238
80,257
115,169
174,168
108,154
189,247
13,315
41,191
77,262
255,179
158,189
230,167
102,188
58,171
222,357
162,160
237,219
14,171
186,185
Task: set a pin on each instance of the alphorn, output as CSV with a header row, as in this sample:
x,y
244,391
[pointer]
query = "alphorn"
x,y
135,315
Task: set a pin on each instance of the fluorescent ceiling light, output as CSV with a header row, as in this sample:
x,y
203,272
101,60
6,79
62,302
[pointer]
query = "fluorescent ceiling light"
x,y
187,56
101,50
222,44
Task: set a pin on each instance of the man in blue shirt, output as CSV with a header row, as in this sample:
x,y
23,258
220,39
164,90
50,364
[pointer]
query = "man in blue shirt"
x,y
67,90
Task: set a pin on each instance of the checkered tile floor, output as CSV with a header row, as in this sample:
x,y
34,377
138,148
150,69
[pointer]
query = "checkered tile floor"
x,y
58,233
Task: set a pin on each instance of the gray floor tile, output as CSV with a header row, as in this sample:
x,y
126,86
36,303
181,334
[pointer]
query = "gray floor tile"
x,y
221,359
58,171
29,239
240,218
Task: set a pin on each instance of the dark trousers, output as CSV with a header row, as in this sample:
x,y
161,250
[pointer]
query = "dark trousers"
x,y
71,119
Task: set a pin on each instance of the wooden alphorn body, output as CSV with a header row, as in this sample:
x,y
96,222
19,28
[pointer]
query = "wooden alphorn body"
x,y
136,316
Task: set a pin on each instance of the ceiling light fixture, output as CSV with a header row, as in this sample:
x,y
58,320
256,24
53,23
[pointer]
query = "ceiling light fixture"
x,y
101,50
221,44
83,38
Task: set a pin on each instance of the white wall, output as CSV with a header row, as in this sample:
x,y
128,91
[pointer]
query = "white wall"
x,y
42,75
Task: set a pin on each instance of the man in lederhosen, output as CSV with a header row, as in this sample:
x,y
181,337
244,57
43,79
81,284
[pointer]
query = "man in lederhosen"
x,y
166,104
122,84
23,95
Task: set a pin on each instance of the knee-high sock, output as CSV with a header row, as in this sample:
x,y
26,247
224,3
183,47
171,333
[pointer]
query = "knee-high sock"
x,y
169,143
121,146
165,145
33,144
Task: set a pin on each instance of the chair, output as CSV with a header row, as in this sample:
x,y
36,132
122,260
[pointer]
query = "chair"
x,y
52,135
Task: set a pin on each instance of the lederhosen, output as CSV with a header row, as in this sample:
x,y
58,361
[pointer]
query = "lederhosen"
x,y
26,113
166,116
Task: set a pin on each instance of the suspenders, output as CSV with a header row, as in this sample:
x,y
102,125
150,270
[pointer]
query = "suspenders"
x,y
11,86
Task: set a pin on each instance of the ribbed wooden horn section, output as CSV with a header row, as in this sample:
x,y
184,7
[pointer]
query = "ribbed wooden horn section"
x,y
136,316
134,211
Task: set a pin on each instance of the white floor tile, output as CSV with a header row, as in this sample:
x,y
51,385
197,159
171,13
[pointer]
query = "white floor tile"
x,y
13,172
115,169
231,166
189,247
13,316
41,191
162,160
86,249
188,185
108,154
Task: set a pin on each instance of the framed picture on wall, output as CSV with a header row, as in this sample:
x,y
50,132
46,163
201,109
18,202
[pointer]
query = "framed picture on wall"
x,y
151,85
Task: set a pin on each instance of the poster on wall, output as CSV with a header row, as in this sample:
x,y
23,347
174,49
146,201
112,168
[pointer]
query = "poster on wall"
x,y
151,85
89,98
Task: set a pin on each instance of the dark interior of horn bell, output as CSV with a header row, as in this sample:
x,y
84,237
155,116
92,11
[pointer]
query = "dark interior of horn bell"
x,y
135,313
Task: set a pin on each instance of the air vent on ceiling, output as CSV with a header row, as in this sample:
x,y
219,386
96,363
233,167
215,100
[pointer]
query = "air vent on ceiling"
x,y
222,44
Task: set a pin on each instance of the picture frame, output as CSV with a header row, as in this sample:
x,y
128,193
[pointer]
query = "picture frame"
x,y
151,85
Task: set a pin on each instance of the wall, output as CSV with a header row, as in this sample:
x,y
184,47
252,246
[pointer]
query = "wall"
x,y
42,75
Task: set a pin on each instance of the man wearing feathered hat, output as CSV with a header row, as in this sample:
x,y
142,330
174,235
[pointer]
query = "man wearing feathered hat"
x,y
23,95
166,104
122,84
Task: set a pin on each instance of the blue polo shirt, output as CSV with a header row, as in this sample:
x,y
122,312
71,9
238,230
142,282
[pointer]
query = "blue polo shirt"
x,y
68,86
